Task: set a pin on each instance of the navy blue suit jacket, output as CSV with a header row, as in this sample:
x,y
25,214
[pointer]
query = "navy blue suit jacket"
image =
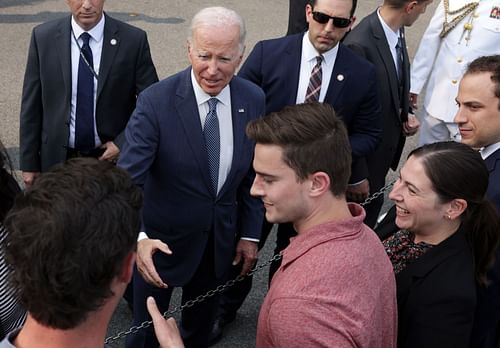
x,y
274,65
165,153
493,164
486,331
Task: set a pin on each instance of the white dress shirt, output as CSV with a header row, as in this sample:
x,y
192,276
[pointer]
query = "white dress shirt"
x,y
307,63
95,43
225,125
488,150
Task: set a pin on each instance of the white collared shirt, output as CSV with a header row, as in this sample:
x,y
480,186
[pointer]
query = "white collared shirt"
x,y
392,39
225,125
95,43
488,150
307,63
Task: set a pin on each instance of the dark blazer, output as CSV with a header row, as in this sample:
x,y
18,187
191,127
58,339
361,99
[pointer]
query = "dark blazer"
x,y
165,153
368,40
274,65
486,331
493,164
125,70
436,294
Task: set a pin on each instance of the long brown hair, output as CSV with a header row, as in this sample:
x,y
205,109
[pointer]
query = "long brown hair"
x,y
457,171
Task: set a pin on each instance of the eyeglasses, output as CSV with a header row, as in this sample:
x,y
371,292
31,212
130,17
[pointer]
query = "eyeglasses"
x,y
338,22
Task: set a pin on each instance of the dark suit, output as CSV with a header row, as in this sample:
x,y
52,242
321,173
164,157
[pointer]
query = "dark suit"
x,y
368,39
125,70
274,65
436,294
493,164
165,153
486,331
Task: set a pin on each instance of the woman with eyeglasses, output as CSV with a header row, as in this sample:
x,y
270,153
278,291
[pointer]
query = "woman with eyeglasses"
x,y
441,237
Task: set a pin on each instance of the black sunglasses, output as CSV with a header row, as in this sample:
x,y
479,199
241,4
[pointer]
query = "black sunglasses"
x,y
338,22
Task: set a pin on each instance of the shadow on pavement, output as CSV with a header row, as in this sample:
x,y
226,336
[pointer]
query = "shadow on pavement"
x,y
47,16
9,3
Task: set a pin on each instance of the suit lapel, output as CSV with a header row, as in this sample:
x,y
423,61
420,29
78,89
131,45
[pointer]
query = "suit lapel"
x,y
63,39
108,51
239,116
386,56
491,160
187,110
294,54
340,73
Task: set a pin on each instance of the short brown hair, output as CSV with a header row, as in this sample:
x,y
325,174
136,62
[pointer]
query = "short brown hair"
x,y
398,4
313,139
68,237
487,64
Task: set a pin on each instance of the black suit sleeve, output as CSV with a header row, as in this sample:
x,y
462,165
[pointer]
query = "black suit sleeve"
x,y
145,75
31,112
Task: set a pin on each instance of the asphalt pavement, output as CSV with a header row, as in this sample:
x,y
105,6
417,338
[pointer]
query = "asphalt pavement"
x,y
166,23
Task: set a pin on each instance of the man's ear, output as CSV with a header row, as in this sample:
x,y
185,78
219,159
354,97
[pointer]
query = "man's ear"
x,y
128,267
410,6
320,183
308,9
353,19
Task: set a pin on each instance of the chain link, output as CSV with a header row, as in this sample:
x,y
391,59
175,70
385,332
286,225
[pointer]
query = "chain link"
x,y
221,288
198,299
377,194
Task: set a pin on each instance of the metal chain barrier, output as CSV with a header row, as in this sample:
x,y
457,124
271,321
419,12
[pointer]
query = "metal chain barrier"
x,y
224,286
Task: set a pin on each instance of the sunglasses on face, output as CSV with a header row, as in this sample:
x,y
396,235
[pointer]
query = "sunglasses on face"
x,y
338,22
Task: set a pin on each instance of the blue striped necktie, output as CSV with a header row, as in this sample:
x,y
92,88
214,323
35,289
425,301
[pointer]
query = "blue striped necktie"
x,y
212,142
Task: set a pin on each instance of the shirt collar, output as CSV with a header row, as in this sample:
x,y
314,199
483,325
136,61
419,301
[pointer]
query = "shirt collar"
x,y
97,32
339,229
310,53
390,35
488,150
224,96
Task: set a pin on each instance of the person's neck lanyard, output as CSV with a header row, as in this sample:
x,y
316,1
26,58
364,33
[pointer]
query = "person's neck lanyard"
x,y
83,56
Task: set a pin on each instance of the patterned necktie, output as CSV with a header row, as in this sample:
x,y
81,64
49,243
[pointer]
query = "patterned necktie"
x,y
314,87
212,142
400,56
84,128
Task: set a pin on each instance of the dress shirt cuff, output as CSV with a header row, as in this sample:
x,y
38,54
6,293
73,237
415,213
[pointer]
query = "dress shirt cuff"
x,y
250,239
142,235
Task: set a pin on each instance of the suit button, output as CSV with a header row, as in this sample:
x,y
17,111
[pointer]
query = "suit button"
x,y
460,60
454,82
